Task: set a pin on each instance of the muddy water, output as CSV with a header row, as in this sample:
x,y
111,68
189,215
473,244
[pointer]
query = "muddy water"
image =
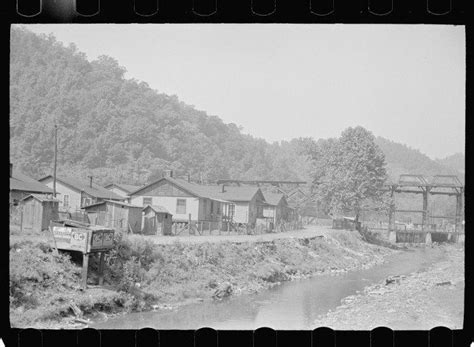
x,y
292,305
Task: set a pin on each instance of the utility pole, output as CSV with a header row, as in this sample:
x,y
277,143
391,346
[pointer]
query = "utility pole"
x,y
55,157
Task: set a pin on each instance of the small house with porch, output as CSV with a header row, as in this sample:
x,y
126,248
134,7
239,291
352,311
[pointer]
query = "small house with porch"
x,y
276,208
76,194
184,199
156,220
38,211
247,202
118,215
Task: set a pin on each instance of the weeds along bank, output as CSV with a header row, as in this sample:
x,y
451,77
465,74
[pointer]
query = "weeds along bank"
x,y
140,275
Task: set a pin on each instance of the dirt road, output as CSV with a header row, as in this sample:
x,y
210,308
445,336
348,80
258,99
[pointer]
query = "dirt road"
x,y
420,301
309,231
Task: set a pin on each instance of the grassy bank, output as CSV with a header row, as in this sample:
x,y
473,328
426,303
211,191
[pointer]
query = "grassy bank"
x,y
141,275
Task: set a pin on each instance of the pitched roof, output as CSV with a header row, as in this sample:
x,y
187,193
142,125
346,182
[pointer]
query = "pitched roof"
x,y
112,202
95,191
235,193
20,181
213,192
39,197
156,208
273,198
126,187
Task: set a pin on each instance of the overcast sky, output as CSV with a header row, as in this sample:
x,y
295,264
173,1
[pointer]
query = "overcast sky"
x,y
402,82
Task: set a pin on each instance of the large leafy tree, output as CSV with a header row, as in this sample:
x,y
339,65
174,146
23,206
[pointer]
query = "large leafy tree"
x,y
349,172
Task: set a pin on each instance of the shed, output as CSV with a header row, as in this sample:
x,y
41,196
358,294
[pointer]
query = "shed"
x,y
156,220
38,211
115,214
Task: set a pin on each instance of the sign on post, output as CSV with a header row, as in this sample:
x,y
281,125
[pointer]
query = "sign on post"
x,y
82,239
85,240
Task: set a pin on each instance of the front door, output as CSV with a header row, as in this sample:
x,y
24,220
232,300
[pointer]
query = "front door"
x,y
150,225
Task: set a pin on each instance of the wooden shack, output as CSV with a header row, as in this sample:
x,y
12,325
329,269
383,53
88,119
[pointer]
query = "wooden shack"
x,y
115,214
38,211
156,220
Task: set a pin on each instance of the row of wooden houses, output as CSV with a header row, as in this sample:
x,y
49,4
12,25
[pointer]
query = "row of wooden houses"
x,y
153,207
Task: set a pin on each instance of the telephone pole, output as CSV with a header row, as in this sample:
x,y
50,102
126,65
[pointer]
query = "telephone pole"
x,y
55,158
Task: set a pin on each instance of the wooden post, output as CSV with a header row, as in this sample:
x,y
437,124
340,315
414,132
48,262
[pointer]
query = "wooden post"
x,y
209,228
21,218
425,209
55,158
54,239
200,227
458,217
85,268
189,223
101,268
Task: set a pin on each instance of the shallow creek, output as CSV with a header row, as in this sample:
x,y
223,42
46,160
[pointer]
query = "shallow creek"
x,y
291,305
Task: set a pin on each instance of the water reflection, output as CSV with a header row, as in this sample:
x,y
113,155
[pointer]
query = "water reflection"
x,y
293,305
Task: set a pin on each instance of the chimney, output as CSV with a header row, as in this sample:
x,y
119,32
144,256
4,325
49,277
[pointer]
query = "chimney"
x,y
11,169
90,181
168,173
189,177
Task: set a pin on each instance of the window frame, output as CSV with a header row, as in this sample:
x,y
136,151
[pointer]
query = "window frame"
x,y
66,200
148,199
178,206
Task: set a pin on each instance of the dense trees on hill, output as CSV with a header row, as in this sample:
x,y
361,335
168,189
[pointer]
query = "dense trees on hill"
x,y
120,129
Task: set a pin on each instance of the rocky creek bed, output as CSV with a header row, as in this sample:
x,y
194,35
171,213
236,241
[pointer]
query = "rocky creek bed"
x,y
421,300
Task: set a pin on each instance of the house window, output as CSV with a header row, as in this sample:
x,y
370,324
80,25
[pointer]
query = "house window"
x,y
181,206
147,201
231,210
66,201
86,201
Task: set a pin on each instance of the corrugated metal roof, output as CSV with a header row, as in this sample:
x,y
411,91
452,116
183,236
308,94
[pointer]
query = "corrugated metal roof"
x,y
20,181
95,191
156,208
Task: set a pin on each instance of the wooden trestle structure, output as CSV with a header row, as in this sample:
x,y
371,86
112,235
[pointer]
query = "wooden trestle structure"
x,y
418,184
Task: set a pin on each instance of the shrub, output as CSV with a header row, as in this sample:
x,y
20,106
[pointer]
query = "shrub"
x,y
34,270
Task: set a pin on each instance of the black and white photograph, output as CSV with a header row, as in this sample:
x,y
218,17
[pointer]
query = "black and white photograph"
x,y
237,176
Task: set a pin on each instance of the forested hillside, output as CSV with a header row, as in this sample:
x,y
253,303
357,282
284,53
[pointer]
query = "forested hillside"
x,y
455,161
121,130
403,159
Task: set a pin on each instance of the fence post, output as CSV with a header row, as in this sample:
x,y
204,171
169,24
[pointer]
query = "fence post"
x,y
101,268
21,219
85,267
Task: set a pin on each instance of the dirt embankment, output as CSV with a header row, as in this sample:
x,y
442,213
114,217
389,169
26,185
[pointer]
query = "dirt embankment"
x,y
420,301
141,275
